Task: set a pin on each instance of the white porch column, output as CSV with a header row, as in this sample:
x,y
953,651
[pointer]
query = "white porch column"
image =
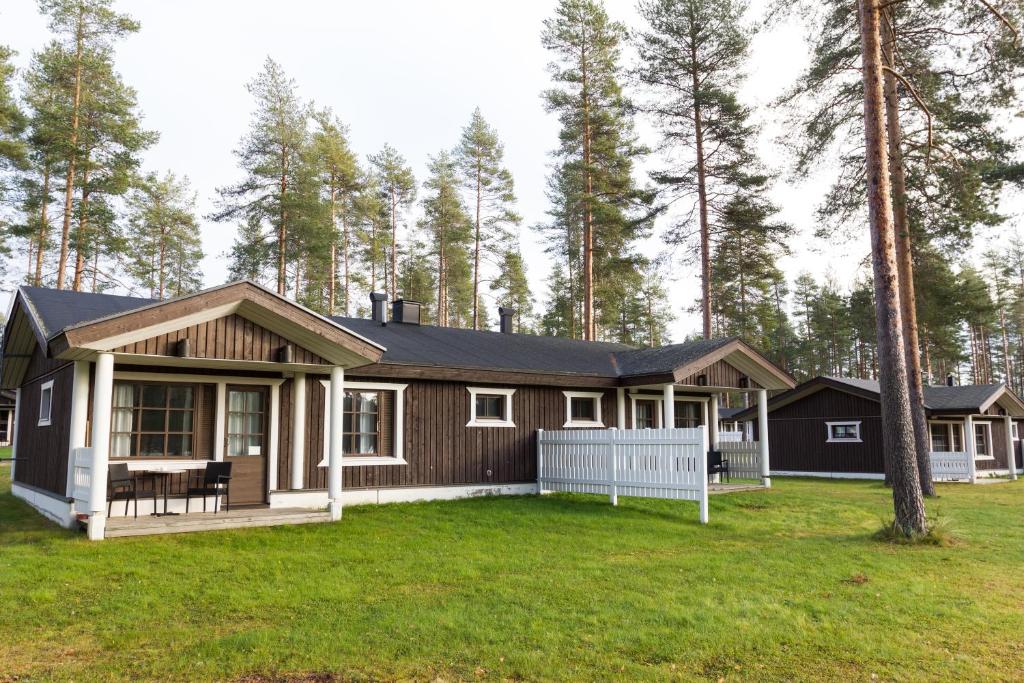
x,y
762,436
79,419
102,398
334,452
298,429
668,403
620,406
972,449
1011,457
713,421
14,436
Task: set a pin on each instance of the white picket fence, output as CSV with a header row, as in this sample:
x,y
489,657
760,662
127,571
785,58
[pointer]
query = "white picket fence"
x,y
730,436
648,463
744,458
951,466
82,478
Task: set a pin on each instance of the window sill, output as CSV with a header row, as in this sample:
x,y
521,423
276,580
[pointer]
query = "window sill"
x,y
578,423
360,461
43,423
984,457
490,423
844,441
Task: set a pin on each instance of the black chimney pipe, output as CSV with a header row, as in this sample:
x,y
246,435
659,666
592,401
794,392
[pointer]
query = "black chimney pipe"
x,y
949,380
506,314
378,307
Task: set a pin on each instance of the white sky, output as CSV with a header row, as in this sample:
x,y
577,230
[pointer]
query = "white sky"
x,y
404,73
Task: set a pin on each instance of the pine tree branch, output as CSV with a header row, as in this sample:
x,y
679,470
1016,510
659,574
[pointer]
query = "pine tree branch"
x,y
917,98
1003,18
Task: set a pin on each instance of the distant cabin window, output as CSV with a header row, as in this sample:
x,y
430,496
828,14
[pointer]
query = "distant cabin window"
x,y
646,414
1013,431
45,403
583,409
362,423
983,440
152,420
839,432
688,415
946,437
490,407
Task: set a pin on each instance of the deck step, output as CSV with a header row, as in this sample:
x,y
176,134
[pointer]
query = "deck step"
x,y
234,519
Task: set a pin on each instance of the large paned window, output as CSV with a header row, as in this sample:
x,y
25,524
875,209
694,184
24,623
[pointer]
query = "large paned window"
x,y
362,423
947,437
245,422
153,420
983,439
688,415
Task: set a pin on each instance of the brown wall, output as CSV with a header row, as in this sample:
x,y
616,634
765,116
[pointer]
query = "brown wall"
x,y
797,434
231,337
438,446
43,451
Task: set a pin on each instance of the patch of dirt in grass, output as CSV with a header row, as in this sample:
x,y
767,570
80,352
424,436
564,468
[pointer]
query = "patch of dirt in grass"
x,y
858,579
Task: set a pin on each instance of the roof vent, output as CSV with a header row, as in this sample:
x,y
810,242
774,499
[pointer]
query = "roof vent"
x,y
949,380
286,354
406,311
506,314
378,307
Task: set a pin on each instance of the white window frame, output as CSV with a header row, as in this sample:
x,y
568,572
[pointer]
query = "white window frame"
x,y
474,422
988,440
595,396
659,417
43,389
845,423
1013,430
398,424
950,426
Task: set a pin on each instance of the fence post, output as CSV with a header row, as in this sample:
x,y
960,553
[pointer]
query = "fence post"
x,y
762,437
1011,456
540,461
702,472
613,489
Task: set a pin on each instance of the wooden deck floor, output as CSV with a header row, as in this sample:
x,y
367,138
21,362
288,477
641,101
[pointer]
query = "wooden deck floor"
x,y
207,521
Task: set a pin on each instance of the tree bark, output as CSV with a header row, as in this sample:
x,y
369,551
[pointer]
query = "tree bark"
x,y
702,194
83,222
332,281
588,210
897,423
282,229
44,226
69,182
476,255
394,245
905,264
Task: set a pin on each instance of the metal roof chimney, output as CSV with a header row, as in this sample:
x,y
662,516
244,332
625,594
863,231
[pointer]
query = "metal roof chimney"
x,y
378,307
506,314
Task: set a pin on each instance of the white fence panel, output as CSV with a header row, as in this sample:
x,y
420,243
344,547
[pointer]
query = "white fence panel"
x,y
744,458
82,480
730,436
649,463
950,466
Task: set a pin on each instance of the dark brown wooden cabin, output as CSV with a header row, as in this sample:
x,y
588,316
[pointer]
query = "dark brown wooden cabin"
x,y
832,426
239,374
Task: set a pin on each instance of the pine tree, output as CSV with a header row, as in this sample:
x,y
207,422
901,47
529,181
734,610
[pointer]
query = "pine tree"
x,y
597,150
446,222
13,122
397,186
270,157
86,31
480,157
164,234
691,58
251,254
513,288
417,281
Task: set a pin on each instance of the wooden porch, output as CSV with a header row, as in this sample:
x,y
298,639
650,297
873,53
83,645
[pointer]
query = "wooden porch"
x,y
149,525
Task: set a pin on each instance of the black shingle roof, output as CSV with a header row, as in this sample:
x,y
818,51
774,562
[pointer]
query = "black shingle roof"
x,y
940,397
56,310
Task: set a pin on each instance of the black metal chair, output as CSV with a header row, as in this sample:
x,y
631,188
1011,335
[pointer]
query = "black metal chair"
x,y
215,481
123,485
717,465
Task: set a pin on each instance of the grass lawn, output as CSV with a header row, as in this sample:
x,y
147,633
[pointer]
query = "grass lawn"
x,y
784,584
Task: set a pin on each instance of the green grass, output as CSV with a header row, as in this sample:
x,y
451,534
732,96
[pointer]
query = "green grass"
x,y
784,584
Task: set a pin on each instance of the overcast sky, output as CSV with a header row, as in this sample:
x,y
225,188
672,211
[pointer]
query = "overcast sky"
x,y
404,73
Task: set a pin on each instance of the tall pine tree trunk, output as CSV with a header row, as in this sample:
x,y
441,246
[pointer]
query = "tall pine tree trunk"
x,y
394,245
282,228
69,181
80,241
476,254
44,226
702,193
897,423
905,264
588,215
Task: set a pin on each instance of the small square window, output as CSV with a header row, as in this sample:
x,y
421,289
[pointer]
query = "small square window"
x,y
45,403
844,431
490,407
584,408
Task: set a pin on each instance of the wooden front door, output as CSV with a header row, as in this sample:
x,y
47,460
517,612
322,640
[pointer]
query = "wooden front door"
x,y
245,444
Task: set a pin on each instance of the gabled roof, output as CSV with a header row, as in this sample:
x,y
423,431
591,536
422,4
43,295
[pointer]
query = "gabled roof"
x,y
938,399
68,323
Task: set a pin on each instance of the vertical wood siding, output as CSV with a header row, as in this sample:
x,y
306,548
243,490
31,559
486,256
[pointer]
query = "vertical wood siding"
x,y
231,337
45,449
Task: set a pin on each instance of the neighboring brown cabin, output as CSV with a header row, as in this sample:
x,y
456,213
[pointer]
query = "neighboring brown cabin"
x,y
831,426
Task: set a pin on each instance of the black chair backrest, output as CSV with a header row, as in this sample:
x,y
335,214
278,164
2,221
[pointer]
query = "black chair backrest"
x,y
215,470
118,471
714,458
